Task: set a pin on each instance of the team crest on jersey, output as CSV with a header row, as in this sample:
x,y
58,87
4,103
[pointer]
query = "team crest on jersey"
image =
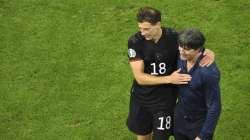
x,y
131,53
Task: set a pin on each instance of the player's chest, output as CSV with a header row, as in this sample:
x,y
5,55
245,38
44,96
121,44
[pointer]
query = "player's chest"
x,y
159,52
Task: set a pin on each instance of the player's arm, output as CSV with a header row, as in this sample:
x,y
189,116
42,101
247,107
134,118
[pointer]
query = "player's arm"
x,y
213,103
147,79
208,58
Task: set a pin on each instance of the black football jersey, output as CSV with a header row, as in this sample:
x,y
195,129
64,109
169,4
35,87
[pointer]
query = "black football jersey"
x,y
159,59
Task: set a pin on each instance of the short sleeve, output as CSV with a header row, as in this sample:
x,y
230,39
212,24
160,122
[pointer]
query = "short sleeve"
x,y
134,49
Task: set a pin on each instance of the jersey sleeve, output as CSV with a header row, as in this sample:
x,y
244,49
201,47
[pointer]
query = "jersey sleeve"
x,y
134,49
173,34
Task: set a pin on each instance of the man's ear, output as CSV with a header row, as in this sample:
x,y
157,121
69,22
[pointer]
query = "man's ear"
x,y
158,23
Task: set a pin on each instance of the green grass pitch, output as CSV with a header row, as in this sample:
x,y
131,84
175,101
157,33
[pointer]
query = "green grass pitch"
x,y
64,73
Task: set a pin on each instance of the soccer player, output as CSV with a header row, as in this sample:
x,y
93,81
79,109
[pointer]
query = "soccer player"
x,y
152,56
199,104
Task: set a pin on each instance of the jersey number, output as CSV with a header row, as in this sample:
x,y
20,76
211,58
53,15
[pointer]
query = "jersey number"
x,y
162,68
168,123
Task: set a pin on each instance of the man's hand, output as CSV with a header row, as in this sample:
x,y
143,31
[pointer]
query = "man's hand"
x,y
197,138
178,78
208,58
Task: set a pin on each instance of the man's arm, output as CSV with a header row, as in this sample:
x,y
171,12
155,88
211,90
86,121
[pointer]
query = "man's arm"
x,y
147,79
208,58
213,103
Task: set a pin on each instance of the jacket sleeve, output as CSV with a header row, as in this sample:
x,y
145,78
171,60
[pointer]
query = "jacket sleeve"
x,y
213,103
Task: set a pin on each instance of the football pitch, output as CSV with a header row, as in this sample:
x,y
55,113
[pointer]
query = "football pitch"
x,y
64,72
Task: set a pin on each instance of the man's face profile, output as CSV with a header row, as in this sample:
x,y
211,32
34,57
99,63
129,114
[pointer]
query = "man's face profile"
x,y
148,30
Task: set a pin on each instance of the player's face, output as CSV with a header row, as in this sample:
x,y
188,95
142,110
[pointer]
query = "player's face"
x,y
148,30
188,54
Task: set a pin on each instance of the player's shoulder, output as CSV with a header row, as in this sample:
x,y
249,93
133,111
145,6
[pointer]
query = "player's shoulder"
x,y
170,31
135,38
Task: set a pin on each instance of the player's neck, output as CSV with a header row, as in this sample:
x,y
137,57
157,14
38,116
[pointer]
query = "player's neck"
x,y
158,36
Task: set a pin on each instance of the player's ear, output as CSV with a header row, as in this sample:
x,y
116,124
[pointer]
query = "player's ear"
x,y
158,23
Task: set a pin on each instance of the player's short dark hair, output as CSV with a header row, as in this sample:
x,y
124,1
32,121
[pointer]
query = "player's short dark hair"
x,y
191,39
148,14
